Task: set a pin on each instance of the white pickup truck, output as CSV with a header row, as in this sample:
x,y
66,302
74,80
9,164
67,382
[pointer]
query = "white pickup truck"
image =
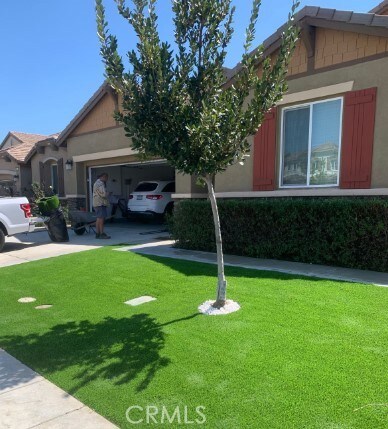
x,y
15,217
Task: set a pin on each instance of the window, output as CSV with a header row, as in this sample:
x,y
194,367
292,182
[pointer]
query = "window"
x,y
311,144
169,187
54,178
146,187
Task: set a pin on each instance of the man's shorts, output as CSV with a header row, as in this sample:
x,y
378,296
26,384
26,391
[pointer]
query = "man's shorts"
x,y
101,212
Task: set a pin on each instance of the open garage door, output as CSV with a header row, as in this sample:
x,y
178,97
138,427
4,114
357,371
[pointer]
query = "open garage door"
x,y
123,178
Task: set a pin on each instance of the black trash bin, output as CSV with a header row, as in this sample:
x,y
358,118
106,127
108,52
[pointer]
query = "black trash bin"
x,y
56,227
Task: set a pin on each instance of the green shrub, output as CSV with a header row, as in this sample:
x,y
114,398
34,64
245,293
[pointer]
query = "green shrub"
x,y
48,204
348,232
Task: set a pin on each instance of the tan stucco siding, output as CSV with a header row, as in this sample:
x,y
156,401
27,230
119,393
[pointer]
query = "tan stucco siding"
x,y
237,178
365,75
49,154
335,47
101,141
8,165
99,118
8,170
93,143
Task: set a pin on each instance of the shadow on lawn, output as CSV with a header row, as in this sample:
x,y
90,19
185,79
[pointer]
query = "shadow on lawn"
x,y
120,350
199,268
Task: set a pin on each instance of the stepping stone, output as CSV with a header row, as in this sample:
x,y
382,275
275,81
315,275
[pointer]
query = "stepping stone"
x,y
43,307
27,299
141,300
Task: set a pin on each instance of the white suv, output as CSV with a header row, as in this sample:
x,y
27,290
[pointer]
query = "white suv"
x,y
152,198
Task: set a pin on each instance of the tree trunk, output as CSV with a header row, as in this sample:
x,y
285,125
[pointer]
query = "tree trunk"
x,y
221,286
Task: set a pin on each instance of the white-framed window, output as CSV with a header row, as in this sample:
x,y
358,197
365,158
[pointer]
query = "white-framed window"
x,y
54,178
311,144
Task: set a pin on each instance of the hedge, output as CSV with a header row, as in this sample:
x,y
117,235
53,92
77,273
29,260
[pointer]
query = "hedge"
x,y
347,232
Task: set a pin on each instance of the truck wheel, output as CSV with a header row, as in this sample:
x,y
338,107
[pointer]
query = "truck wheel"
x,y
2,239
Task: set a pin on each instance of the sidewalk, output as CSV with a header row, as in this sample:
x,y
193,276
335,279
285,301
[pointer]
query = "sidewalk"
x,y
165,249
27,401
37,245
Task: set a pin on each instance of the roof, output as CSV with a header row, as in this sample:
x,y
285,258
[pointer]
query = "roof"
x,y
382,7
369,23
24,137
94,99
23,151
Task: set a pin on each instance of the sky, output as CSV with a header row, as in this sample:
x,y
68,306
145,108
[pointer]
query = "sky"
x,y
50,63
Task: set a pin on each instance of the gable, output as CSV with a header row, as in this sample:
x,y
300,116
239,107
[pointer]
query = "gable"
x,y
10,141
99,118
334,47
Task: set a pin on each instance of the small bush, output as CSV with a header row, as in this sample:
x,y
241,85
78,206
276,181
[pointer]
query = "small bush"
x,y
347,232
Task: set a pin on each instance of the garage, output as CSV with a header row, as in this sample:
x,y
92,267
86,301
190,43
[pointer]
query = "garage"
x,y
124,178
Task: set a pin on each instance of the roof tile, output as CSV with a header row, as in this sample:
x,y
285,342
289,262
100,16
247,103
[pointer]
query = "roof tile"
x,y
361,18
342,15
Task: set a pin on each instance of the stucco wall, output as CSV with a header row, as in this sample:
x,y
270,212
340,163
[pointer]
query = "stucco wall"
x,y
48,154
100,141
237,177
8,165
365,75
8,169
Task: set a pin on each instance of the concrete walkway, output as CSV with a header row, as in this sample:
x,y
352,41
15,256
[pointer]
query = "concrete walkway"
x,y
37,245
164,248
27,401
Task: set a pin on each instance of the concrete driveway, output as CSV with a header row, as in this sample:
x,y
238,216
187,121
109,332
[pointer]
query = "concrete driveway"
x,y
23,248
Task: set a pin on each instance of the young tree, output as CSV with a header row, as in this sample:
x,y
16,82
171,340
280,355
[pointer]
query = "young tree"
x,y
176,104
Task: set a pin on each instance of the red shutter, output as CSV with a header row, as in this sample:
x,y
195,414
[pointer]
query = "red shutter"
x,y
358,137
264,154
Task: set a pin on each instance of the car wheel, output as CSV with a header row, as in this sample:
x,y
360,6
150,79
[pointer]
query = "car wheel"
x,y
2,239
169,209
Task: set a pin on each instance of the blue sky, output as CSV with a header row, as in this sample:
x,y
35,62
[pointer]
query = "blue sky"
x,y
50,63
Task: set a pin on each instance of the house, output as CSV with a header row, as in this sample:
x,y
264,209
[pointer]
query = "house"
x,y
48,165
15,169
96,143
327,137
26,158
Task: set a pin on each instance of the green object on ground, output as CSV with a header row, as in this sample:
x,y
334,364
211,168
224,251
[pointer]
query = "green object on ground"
x,y
48,204
301,352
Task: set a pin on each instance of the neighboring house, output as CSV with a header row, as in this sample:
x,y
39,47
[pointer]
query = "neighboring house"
x,y
48,165
15,169
27,158
328,136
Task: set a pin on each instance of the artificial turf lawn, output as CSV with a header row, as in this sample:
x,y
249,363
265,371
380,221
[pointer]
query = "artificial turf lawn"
x,y
301,353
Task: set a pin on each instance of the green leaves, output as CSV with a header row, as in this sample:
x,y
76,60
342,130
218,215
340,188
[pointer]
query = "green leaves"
x,y
175,103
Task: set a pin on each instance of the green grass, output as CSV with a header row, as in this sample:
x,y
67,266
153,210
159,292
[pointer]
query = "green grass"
x,y
301,353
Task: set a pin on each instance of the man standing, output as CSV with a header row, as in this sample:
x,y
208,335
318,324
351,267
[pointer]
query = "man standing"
x,y
100,204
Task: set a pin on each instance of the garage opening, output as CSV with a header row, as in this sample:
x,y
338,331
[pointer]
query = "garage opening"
x,y
124,178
